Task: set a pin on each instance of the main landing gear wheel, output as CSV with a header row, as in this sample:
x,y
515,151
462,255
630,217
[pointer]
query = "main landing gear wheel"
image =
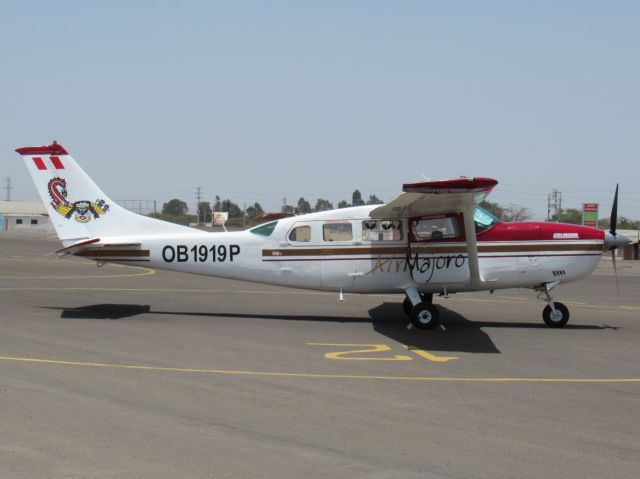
x,y
407,307
425,316
557,317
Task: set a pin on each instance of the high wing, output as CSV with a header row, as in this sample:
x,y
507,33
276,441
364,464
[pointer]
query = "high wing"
x,y
439,197
434,197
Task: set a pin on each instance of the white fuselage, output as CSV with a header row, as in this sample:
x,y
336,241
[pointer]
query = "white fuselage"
x,y
347,256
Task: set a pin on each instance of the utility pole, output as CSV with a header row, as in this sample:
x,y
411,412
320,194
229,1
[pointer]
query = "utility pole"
x,y
554,202
198,198
8,188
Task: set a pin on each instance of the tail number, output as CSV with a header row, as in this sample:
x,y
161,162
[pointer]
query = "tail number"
x,y
200,253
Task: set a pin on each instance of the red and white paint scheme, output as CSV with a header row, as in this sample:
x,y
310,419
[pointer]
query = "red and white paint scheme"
x,y
431,239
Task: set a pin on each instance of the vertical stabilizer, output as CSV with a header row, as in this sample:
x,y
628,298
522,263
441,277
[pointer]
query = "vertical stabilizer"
x,y
77,208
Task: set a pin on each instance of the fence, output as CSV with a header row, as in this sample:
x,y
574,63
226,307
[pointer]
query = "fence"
x,y
141,207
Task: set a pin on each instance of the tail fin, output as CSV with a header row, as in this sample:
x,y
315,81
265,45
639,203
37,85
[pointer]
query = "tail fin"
x,y
79,209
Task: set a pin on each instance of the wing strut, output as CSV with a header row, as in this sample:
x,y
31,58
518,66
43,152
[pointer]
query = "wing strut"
x,y
472,244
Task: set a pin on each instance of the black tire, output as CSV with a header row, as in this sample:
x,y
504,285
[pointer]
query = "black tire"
x,y
407,307
425,316
557,318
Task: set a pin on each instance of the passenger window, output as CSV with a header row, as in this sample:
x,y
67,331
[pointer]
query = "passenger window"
x,y
436,228
337,231
300,234
381,230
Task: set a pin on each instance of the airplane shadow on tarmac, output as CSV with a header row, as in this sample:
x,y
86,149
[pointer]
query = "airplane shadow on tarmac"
x,y
458,335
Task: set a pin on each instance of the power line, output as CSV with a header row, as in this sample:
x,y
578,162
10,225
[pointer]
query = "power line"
x,y
554,201
8,187
198,198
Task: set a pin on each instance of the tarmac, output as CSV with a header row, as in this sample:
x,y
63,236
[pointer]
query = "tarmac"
x,y
121,371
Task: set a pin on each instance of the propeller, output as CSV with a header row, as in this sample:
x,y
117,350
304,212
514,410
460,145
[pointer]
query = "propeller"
x,y
613,222
613,225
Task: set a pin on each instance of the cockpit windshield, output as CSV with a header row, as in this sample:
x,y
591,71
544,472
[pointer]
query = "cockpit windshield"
x,y
483,220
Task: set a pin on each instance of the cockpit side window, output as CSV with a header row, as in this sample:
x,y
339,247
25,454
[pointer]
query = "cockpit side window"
x,y
265,229
436,228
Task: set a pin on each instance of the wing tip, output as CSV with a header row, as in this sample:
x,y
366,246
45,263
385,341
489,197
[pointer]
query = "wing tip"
x,y
461,184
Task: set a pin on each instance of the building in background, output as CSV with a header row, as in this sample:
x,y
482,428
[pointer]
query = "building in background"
x,y
632,250
24,215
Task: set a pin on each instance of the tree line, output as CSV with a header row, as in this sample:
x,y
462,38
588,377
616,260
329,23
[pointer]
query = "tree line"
x,y
569,215
177,210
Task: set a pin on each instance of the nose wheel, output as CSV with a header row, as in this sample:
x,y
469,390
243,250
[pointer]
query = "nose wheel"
x,y
556,317
555,314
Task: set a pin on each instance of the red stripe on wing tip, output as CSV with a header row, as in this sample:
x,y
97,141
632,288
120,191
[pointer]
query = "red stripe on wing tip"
x,y
39,163
57,164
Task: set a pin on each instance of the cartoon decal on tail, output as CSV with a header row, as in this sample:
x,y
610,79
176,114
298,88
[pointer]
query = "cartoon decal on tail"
x,y
83,210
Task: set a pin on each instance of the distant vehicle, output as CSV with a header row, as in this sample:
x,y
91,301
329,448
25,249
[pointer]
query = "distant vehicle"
x,y
432,239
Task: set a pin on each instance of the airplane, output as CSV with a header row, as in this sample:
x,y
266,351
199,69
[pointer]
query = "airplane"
x,y
432,239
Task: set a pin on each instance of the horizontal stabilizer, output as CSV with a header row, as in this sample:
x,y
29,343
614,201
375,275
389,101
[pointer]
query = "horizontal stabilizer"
x,y
92,249
76,246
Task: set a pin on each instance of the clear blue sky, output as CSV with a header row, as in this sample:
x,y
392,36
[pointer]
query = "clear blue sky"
x,y
260,100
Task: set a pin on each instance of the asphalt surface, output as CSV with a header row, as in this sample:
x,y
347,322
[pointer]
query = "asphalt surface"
x,y
126,372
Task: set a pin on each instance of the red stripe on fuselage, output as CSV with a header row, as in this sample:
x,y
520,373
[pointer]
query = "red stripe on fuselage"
x,y
57,164
539,231
39,163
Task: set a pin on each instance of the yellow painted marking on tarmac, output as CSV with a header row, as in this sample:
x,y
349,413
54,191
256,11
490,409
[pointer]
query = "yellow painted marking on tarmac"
x,y
314,375
57,261
365,348
144,272
31,260
429,356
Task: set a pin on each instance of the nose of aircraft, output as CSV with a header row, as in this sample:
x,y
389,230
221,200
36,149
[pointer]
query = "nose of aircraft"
x,y
612,241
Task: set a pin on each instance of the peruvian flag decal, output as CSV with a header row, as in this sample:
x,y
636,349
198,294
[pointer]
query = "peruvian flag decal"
x,y
55,162
39,163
